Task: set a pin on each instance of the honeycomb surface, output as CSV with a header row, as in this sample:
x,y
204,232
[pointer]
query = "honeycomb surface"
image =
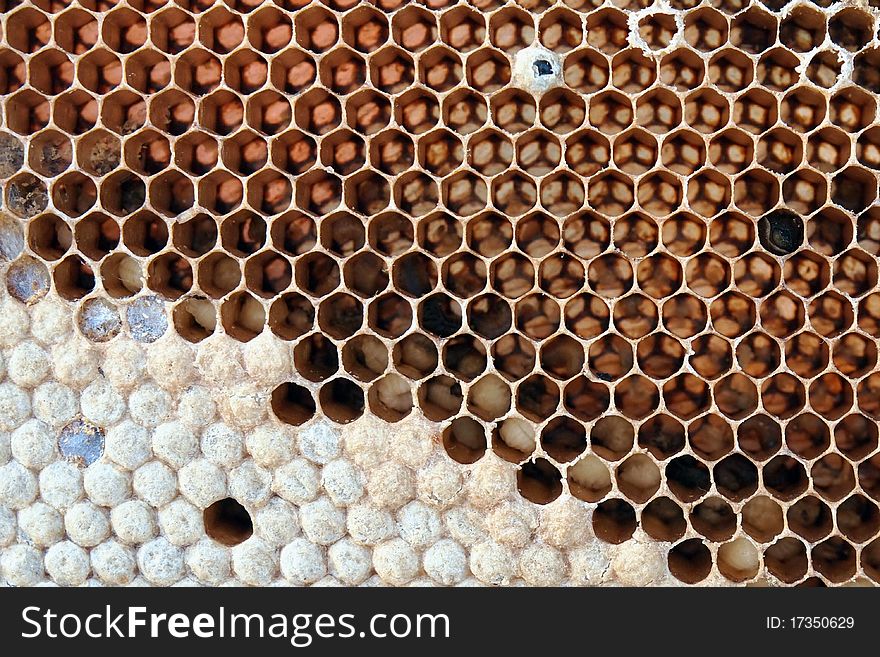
x,y
625,251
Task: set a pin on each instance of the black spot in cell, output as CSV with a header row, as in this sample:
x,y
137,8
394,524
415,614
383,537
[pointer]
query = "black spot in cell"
x,y
781,232
542,67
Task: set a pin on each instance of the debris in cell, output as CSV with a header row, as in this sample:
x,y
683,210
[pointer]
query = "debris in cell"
x,y
11,238
99,320
146,319
27,279
26,195
11,155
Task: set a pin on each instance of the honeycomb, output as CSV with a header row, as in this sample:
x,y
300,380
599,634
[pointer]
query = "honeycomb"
x,y
628,246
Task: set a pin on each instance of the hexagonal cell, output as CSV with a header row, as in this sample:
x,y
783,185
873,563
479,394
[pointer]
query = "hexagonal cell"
x,y
753,31
854,189
124,30
777,69
99,71
147,152
783,395
705,29
74,278
586,71
13,71
706,111
614,521
49,236
511,30
658,30
27,111
198,72
803,109
683,234
756,110
824,69
28,30
803,30
292,71
51,72
76,31
684,315
50,153
762,519
74,193
855,273
757,191
171,111
172,30
632,71
293,404
607,30
830,314
611,112
852,109
731,70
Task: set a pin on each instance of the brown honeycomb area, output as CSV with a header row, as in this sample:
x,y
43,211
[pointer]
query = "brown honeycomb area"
x,y
653,285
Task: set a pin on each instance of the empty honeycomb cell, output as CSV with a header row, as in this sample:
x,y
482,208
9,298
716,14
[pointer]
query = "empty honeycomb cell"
x,y
731,70
171,111
49,237
585,399
663,520
97,234
856,436
714,519
824,69
810,518
614,520
760,436
684,152
754,30
632,71
777,69
295,152
391,151
858,518
803,29
99,152
835,559
710,436
684,315
854,189
787,560
538,152
705,29
736,478
367,193
757,274
51,72
832,477
76,31
28,112
73,194
74,278
172,193
50,153
712,356
635,396
658,30
869,476
785,477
